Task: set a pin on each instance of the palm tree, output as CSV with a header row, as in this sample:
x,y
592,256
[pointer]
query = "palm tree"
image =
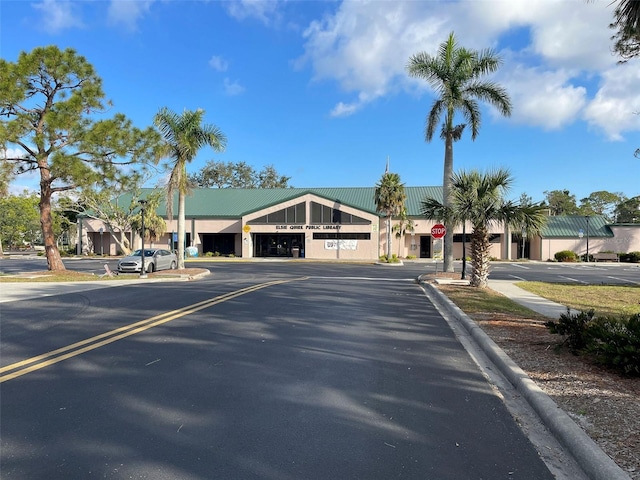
x,y
627,23
455,73
389,198
404,225
479,198
184,136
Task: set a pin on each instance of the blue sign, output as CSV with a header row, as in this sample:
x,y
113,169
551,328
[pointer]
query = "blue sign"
x,y
175,236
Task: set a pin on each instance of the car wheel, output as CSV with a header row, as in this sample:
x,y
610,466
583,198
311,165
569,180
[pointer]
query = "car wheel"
x,y
151,268
174,265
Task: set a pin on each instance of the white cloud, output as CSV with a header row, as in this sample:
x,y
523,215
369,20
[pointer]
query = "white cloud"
x,y
345,109
218,63
266,11
12,153
616,105
366,45
544,98
233,88
128,12
58,15
24,182
569,34
558,50
574,36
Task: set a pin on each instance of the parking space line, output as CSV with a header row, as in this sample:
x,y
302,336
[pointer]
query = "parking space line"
x,y
624,280
574,280
55,356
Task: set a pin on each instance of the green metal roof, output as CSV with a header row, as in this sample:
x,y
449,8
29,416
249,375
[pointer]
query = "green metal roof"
x,y
571,225
236,202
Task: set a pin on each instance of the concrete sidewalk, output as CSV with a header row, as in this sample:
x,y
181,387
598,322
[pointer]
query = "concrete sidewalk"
x,y
13,291
530,300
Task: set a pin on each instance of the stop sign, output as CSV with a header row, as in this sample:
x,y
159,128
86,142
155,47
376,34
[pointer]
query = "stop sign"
x,y
438,231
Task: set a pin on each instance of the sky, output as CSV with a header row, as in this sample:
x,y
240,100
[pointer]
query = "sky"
x,y
319,89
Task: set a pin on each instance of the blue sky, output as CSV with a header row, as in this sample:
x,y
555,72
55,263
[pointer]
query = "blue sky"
x,y
320,90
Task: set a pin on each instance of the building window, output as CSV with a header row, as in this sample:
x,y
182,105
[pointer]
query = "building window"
x,y
493,238
325,215
296,214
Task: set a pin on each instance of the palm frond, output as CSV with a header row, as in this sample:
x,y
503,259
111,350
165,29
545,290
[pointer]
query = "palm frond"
x,y
433,119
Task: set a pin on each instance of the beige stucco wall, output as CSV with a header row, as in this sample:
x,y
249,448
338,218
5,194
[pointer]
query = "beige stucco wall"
x,y
626,238
95,242
317,249
422,228
198,226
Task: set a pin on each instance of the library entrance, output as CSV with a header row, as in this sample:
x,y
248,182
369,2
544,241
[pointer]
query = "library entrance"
x,y
278,245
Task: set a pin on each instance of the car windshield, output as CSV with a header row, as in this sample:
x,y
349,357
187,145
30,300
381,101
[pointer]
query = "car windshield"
x,y
147,253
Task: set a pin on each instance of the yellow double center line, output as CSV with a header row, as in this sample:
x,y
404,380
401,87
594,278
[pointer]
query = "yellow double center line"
x,y
41,361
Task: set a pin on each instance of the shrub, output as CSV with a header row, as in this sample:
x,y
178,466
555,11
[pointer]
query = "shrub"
x,y
631,257
575,328
411,257
394,259
616,343
208,254
565,256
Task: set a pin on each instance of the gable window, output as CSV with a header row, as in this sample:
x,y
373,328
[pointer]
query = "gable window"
x,y
295,214
325,215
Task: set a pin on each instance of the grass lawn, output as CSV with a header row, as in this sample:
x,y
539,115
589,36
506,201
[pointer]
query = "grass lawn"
x,y
606,300
64,276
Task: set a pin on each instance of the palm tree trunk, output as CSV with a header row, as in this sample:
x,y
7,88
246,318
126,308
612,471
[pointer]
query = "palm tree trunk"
x,y
446,201
388,239
181,229
480,248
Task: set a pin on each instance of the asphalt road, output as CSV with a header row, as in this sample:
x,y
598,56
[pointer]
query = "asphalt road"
x,y
256,372
573,273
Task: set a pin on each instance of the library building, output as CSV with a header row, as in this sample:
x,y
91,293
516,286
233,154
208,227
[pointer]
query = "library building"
x,y
342,223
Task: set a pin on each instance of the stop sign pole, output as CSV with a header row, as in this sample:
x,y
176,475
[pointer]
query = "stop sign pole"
x,y
438,231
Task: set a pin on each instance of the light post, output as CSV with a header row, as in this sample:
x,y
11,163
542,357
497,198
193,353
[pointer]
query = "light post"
x,y
143,271
587,218
463,276
101,242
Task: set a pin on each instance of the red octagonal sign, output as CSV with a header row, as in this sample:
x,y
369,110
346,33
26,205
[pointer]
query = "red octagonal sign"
x,y
438,231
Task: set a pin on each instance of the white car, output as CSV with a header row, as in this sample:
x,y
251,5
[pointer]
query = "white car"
x,y
154,259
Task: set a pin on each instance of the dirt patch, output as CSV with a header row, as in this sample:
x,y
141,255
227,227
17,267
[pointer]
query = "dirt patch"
x,y
604,403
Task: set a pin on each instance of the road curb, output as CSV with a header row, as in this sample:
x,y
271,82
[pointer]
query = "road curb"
x,y
591,458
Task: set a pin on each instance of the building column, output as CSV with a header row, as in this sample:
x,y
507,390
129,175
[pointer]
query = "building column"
x,y
506,252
